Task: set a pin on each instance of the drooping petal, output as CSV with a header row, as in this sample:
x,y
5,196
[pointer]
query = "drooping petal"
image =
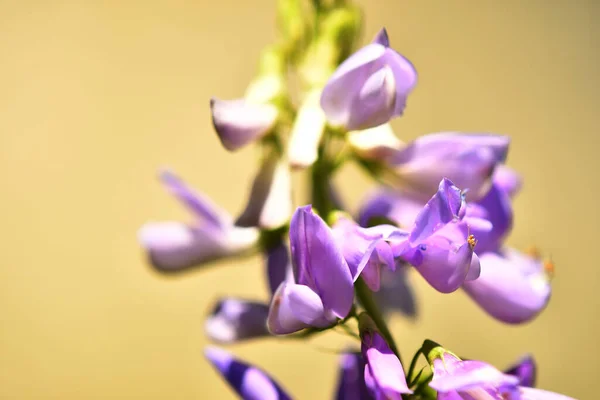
x,y
378,143
279,266
351,384
319,263
232,320
468,160
512,287
295,307
440,210
384,374
249,382
270,201
173,246
239,122
205,210
525,369
307,131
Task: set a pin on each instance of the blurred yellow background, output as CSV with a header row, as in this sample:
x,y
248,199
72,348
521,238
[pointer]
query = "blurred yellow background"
x,y
95,96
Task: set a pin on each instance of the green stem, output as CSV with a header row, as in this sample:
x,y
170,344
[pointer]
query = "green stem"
x,y
366,299
413,364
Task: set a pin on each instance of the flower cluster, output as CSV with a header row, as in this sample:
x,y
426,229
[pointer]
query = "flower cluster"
x,y
442,208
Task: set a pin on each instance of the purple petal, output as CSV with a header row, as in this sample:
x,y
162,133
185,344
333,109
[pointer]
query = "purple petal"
x,y
444,259
201,206
440,210
468,160
233,320
279,268
382,38
249,382
359,93
452,374
474,269
306,133
384,374
239,122
295,307
507,180
175,246
346,82
512,287
538,394
496,208
351,384
525,369
270,201
319,262
374,103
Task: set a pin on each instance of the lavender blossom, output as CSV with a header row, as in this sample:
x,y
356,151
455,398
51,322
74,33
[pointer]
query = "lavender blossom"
x,y
249,382
439,245
323,290
232,320
454,378
369,88
240,122
173,246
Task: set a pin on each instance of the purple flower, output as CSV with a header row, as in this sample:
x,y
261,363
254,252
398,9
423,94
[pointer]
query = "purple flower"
x,y
468,160
270,201
512,286
367,250
525,370
232,320
249,382
240,122
439,245
351,385
323,290
174,246
384,374
456,379
369,88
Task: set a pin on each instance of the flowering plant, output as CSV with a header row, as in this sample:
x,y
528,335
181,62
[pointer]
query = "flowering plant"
x,y
443,208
